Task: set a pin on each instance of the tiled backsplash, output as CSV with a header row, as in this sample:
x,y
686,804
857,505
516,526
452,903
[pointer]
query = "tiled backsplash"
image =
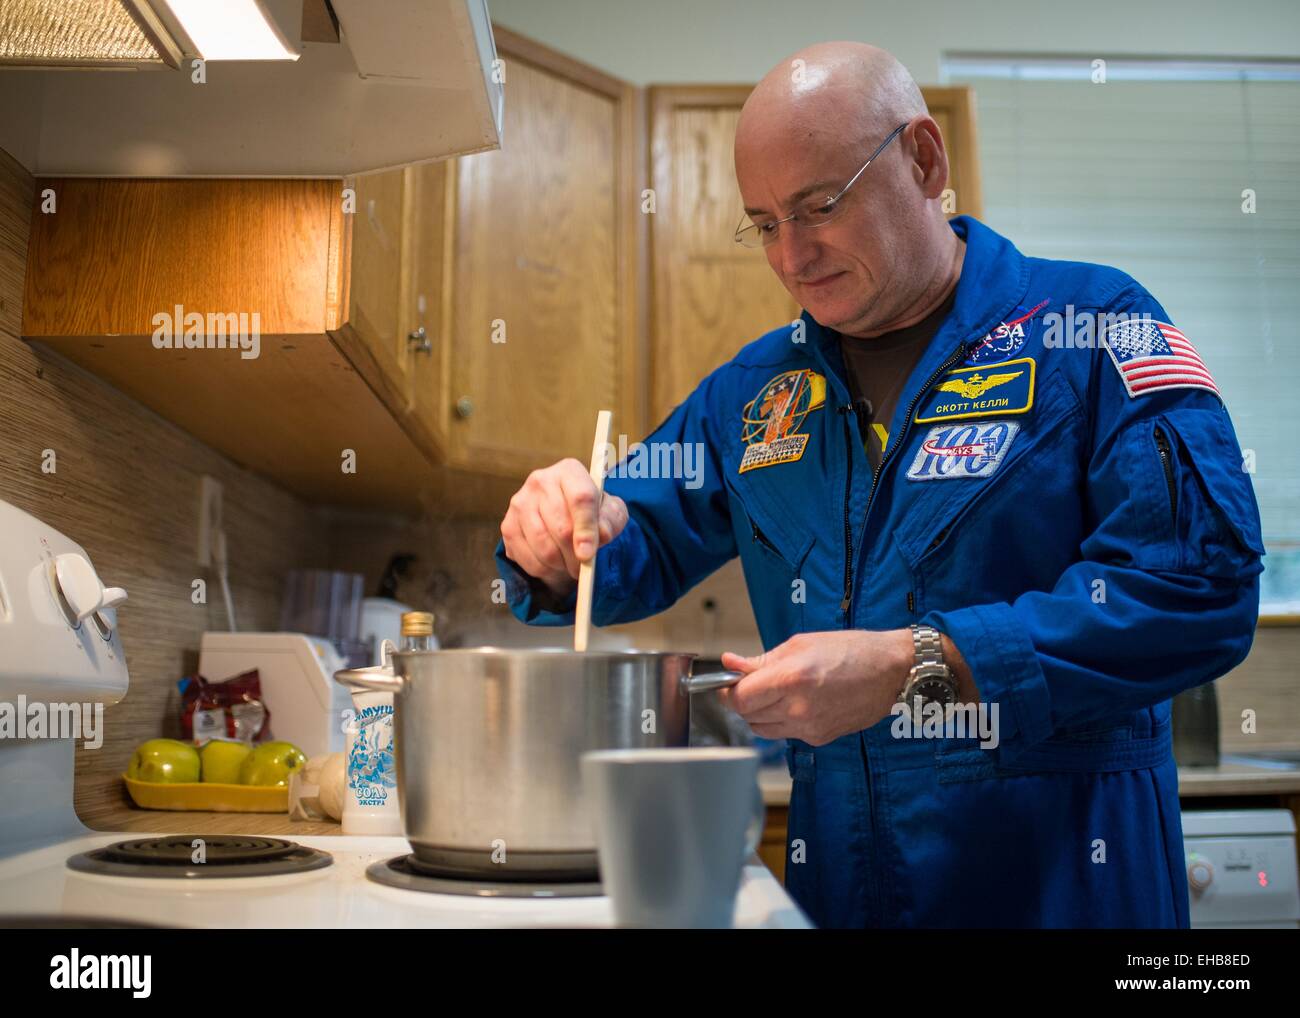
x,y
454,573
126,487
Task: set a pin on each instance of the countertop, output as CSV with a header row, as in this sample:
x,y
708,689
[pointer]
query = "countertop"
x,y
1229,778
132,820
38,883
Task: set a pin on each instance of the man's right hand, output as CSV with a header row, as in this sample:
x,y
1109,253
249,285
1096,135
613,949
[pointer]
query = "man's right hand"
x,y
554,524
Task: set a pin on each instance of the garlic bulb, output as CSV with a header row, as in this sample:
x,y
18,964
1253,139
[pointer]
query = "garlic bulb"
x,y
332,781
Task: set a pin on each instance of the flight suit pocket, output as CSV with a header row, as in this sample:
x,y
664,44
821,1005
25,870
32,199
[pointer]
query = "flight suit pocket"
x,y
773,566
1211,520
1094,750
977,540
939,508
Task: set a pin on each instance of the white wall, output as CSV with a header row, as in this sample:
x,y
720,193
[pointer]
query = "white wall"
x,y
664,41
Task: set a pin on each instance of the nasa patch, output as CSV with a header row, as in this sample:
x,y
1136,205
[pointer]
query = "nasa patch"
x,y
1006,339
951,451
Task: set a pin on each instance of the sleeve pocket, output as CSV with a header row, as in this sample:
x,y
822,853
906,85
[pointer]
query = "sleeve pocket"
x,y
1215,513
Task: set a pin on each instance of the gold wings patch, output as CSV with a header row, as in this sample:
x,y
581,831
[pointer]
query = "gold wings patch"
x,y
977,385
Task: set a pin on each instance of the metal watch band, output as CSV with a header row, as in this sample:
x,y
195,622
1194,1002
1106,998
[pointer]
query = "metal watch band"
x,y
928,644
928,669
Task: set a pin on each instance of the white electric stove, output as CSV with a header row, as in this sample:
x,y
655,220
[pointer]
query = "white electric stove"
x,y
38,886
60,656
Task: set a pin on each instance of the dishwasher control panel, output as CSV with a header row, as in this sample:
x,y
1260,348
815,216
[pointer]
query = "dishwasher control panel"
x,y
1241,868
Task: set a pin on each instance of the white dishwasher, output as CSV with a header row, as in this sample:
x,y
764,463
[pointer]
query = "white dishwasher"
x,y
1241,868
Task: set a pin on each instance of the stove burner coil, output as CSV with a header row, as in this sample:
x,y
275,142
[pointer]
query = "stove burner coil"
x,y
403,872
222,856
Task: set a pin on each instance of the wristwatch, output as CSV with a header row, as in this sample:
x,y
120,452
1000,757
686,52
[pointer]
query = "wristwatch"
x,y
930,680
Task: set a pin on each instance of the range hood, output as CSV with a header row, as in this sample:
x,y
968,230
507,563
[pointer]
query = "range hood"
x,y
305,88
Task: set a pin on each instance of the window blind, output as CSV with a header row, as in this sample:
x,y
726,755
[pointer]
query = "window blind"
x,y
1149,176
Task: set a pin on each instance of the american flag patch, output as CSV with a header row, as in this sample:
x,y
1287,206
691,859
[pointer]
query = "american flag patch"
x,y
1152,355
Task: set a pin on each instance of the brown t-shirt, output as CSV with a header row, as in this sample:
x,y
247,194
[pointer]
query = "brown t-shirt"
x,y
878,369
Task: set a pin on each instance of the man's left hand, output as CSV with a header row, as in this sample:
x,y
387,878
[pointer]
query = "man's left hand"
x,y
819,686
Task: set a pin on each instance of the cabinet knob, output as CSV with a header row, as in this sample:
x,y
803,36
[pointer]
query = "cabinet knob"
x,y
419,341
464,406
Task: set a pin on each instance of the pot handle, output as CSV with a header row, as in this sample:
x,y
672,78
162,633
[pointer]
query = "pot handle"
x,y
709,680
377,678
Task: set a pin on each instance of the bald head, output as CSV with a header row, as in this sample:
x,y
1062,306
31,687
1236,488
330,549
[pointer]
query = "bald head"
x,y
840,89
885,255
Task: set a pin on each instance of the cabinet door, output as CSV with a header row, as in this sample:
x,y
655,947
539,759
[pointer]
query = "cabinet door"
x,y
376,301
713,296
538,339
953,109
431,186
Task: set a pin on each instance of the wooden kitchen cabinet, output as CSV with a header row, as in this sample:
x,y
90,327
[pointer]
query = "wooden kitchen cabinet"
x,y
378,325
377,312
393,243
531,254
501,308
324,407
712,296
539,340
115,254
429,337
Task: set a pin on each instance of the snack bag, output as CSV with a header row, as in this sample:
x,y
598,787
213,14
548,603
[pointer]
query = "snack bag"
x,y
229,709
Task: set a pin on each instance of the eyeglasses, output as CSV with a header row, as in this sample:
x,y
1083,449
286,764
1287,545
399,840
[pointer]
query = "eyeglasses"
x,y
811,213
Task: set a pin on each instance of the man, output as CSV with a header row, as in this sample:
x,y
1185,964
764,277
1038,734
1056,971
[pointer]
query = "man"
x,y
938,494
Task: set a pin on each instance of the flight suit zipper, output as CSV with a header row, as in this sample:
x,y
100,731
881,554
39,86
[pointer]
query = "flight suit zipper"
x,y
847,601
896,441
1167,464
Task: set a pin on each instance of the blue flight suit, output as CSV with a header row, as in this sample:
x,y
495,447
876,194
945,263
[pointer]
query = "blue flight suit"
x,y
1074,515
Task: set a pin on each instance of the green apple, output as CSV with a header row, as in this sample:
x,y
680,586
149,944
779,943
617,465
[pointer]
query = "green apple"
x,y
168,761
222,759
271,763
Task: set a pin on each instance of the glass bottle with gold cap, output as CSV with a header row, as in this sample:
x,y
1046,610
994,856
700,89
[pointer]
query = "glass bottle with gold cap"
x,y
417,631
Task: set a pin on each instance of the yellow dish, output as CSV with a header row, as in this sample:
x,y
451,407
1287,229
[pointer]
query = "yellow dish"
x,y
209,797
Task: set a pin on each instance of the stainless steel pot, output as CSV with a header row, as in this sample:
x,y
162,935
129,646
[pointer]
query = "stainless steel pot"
x,y
489,743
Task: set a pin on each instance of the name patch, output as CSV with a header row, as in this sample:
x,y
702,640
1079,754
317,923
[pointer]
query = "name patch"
x,y
962,450
1007,388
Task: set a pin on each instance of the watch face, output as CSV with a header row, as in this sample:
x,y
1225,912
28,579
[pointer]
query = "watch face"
x,y
934,690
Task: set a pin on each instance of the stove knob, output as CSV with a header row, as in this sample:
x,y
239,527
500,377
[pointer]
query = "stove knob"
x,y
79,588
1200,873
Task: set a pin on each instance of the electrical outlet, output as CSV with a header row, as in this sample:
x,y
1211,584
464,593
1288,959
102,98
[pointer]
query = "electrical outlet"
x,y
209,518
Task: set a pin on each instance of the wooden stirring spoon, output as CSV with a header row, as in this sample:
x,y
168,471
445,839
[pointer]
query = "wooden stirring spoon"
x,y
587,569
